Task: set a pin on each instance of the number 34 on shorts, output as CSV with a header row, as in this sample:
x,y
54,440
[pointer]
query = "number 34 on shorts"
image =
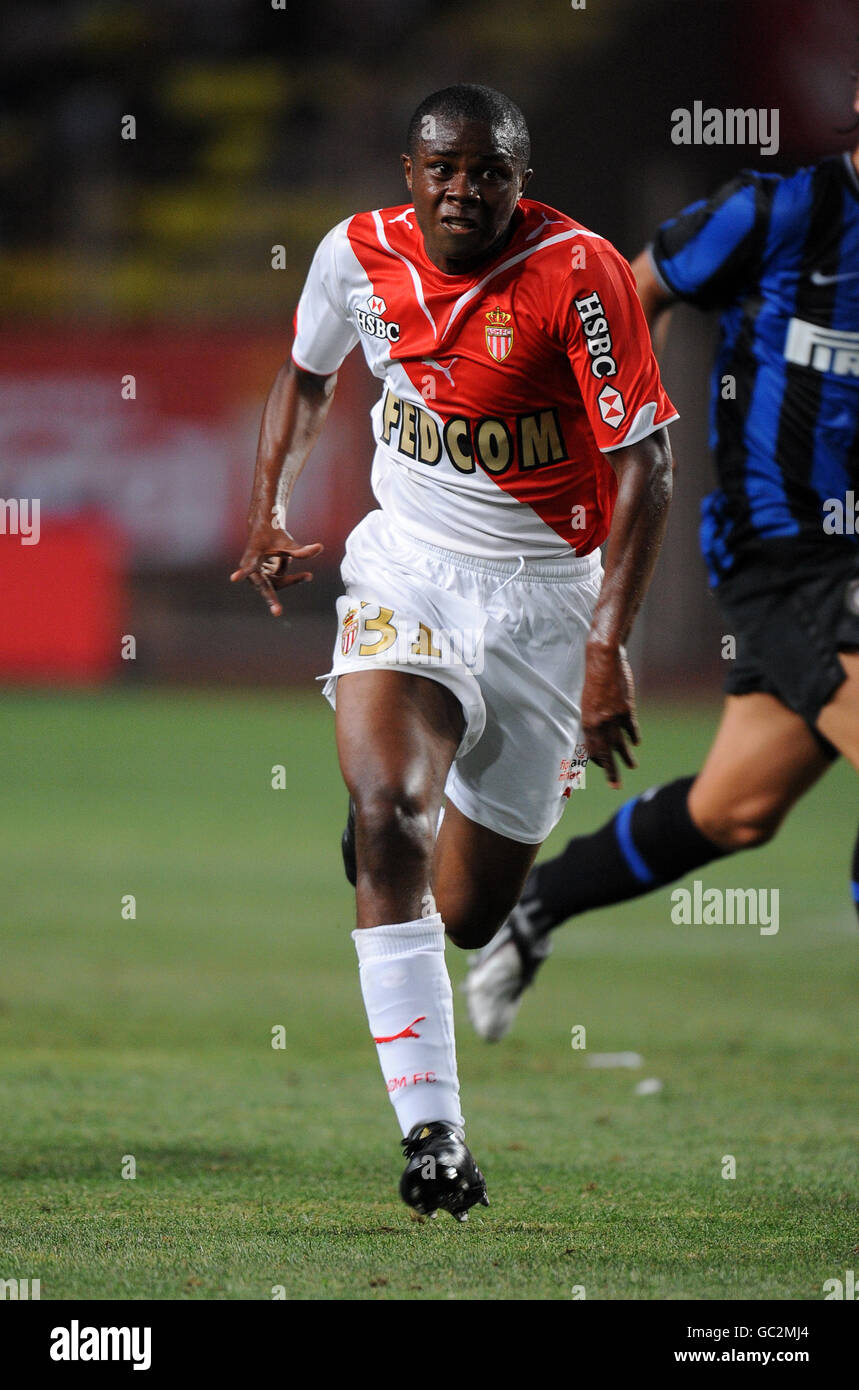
x,y
395,639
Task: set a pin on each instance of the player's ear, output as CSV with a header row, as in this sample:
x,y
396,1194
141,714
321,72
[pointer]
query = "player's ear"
x,y
407,170
524,180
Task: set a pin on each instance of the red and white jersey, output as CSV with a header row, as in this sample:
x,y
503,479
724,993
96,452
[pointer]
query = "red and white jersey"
x,y
503,389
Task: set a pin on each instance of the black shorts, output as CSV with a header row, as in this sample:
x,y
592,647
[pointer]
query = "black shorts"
x,y
792,609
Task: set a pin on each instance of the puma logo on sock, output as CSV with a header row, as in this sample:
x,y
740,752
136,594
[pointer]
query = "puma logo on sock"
x,y
408,1031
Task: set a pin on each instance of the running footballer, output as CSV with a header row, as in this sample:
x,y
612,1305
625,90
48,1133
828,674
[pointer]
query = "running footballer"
x,y
520,425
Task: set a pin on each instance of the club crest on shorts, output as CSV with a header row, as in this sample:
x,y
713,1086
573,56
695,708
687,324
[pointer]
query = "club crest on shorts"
x,y
349,631
499,333
574,770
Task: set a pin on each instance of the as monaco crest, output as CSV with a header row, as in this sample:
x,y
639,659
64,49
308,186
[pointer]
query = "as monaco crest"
x,y
499,334
349,631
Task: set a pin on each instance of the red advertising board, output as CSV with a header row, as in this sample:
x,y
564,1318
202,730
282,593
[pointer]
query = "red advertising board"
x,y
159,430
135,449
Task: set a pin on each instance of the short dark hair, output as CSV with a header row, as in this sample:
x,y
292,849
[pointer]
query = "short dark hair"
x,y
471,102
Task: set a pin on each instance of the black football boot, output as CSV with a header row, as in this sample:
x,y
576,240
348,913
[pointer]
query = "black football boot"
x,y
441,1172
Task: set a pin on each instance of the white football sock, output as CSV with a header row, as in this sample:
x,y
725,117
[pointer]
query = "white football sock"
x,y
409,1005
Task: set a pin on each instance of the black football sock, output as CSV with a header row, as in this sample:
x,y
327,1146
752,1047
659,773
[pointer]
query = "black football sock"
x,y
856,874
650,842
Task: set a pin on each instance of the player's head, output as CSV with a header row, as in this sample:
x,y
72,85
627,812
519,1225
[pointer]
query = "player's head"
x,y
468,101
466,168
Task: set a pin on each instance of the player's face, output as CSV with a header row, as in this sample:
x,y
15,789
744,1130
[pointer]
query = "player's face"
x,y
465,183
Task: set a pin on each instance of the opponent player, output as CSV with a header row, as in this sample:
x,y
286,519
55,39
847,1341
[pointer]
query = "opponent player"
x,y
779,257
521,409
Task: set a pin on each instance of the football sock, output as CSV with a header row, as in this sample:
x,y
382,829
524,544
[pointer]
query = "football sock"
x,y
650,842
409,1005
856,874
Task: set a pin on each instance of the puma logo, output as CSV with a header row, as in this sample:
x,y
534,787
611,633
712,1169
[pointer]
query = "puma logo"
x,y
408,1031
546,222
446,371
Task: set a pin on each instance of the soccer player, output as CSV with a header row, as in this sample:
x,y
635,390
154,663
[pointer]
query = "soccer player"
x,y
779,258
521,411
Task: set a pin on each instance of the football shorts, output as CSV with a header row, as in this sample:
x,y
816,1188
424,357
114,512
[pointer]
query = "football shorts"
x,y
506,637
792,609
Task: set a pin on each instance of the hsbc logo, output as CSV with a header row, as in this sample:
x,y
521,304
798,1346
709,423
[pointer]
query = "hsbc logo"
x,y
370,320
597,335
612,408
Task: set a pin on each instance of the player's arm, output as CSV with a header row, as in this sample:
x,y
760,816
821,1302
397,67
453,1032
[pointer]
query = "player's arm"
x,y
294,414
293,417
610,352
644,474
655,299
712,252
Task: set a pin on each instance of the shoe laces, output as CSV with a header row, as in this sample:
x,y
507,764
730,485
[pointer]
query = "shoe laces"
x,y
413,1143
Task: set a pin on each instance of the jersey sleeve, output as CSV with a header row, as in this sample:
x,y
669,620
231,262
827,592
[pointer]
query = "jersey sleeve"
x,y
608,345
324,332
712,252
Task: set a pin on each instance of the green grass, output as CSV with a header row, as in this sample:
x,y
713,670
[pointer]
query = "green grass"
x,y
259,1167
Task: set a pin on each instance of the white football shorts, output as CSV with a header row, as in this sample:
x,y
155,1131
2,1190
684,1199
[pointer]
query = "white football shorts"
x,y
506,636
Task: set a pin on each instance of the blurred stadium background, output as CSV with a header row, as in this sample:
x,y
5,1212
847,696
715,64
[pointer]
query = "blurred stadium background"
x,y
151,1036
152,257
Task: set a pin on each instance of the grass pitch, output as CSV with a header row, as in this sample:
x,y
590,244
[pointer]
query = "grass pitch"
x,y
260,1168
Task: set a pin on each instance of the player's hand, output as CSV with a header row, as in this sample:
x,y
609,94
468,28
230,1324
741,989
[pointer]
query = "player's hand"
x,y
265,564
609,724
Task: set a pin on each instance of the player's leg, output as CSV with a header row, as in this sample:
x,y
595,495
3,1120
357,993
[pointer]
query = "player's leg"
x,y
478,876
839,723
839,719
397,735
764,757
795,613
803,617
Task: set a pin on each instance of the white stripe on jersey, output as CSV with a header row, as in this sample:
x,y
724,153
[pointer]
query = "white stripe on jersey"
x,y
546,222
505,265
412,269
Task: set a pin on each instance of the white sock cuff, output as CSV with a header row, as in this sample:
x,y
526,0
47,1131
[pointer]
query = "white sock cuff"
x,y
399,938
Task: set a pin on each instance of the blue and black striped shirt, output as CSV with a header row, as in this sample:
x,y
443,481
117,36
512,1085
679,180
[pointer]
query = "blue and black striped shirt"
x,y
778,257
